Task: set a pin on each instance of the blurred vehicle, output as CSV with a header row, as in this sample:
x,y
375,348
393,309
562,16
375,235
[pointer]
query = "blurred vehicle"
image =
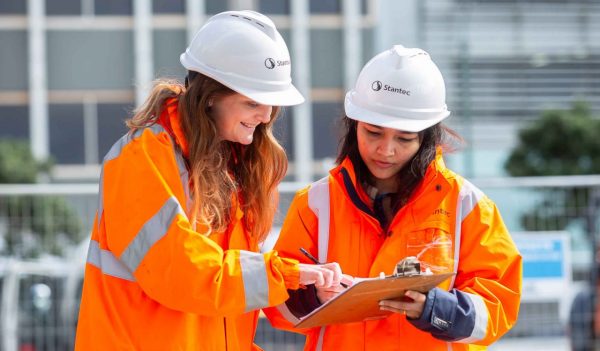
x,y
39,302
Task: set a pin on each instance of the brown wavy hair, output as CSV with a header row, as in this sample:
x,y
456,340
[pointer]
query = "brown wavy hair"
x,y
220,171
413,172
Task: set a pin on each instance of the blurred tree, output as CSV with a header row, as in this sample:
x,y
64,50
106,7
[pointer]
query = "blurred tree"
x,y
30,225
561,142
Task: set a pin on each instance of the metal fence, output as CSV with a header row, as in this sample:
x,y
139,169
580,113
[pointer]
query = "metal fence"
x,y
44,231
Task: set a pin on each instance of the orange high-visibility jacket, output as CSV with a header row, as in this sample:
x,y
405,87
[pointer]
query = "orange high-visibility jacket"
x,y
449,224
151,281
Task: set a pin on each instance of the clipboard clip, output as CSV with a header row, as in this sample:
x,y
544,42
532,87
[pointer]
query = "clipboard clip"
x,y
408,266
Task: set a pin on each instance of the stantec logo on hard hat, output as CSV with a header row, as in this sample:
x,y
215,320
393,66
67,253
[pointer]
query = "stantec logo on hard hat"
x,y
271,63
377,86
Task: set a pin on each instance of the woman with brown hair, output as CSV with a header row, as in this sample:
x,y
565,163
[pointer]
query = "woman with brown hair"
x,y
187,196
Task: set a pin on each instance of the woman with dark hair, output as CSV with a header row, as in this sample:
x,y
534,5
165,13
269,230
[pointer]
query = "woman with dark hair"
x,y
187,196
391,197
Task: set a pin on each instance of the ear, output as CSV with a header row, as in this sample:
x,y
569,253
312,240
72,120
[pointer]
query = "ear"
x,y
210,102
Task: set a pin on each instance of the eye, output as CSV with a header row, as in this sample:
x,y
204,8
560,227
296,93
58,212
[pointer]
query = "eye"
x,y
252,104
406,139
373,132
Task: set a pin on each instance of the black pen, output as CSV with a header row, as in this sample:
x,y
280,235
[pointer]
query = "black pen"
x,y
315,261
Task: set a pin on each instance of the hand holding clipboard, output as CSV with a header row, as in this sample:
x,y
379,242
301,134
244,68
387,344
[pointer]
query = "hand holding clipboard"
x,y
361,301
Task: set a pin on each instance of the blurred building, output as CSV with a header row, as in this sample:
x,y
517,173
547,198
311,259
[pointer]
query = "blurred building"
x,y
71,71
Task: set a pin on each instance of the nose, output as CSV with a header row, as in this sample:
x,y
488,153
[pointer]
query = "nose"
x,y
264,115
386,148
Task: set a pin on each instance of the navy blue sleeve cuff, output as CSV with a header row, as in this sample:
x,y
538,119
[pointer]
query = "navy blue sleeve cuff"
x,y
448,316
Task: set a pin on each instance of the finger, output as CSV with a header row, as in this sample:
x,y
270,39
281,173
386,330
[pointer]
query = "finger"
x,y
327,278
336,271
347,279
319,280
415,295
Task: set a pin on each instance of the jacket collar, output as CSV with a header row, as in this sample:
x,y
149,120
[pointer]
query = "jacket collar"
x,y
424,200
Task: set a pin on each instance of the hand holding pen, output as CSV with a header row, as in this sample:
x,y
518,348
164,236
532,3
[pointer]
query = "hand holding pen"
x,y
314,260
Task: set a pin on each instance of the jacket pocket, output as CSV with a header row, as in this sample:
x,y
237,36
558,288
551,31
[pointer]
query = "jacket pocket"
x,y
432,245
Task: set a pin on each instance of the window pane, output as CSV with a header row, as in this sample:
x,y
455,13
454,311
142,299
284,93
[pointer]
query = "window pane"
x,y
15,122
111,125
168,6
325,6
66,133
326,129
113,7
327,65
100,59
275,7
167,46
282,129
63,7
215,6
13,7
13,60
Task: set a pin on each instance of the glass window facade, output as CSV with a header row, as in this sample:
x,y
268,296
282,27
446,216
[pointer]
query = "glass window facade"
x,y
325,6
274,7
13,7
111,125
66,133
113,7
326,58
95,60
13,60
63,7
14,121
168,45
215,6
168,6
326,128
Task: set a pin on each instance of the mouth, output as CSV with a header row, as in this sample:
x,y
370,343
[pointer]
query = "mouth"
x,y
249,126
383,164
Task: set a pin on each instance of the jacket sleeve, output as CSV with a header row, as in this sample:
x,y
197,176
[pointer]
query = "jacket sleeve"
x,y
484,303
148,232
299,230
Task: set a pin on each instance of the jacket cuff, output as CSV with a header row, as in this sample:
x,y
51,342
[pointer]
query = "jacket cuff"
x,y
448,315
290,270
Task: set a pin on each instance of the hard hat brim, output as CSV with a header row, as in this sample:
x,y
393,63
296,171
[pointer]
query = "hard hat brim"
x,y
288,97
405,124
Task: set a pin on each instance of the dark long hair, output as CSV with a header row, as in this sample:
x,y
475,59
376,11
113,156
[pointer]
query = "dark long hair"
x,y
412,173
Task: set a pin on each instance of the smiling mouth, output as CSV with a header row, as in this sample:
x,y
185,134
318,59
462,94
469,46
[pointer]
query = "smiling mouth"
x,y
249,126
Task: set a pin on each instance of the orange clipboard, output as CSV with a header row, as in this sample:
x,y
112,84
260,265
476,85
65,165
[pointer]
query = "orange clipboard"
x,y
361,301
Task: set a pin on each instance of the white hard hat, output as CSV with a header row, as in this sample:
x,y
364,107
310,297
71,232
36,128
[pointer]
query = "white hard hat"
x,y
244,51
400,88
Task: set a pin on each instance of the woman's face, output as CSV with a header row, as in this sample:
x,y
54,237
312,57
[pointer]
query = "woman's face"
x,y
385,151
237,117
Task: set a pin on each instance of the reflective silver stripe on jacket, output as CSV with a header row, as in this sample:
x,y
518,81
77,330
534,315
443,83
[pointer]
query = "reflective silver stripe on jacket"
x,y
481,320
107,262
468,198
152,231
256,285
318,201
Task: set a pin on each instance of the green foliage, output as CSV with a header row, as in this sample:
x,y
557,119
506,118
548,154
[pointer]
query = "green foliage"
x,y
30,225
561,142
17,164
